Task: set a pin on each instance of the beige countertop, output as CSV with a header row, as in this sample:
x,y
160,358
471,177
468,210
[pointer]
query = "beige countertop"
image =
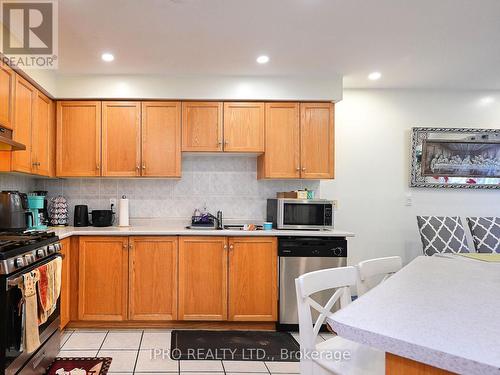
x,y
179,230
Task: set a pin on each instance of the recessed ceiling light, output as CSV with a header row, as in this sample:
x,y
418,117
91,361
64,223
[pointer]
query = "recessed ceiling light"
x,y
374,76
108,57
487,100
263,59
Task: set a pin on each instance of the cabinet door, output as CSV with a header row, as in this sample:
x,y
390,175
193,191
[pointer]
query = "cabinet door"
x,y
244,127
42,135
23,120
103,278
201,126
282,151
161,139
317,140
153,278
253,279
7,81
65,282
202,278
78,139
121,139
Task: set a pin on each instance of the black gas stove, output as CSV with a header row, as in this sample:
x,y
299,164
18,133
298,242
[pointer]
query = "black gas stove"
x,y
21,253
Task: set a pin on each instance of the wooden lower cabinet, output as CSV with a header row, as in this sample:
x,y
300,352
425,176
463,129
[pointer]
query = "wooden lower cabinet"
x,y
253,279
202,278
103,278
65,282
153,278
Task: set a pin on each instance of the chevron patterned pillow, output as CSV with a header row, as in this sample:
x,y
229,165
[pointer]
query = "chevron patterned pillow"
x,y
442,234
485,233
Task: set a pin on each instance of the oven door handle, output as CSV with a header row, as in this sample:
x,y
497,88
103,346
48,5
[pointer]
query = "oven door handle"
x,y
15,282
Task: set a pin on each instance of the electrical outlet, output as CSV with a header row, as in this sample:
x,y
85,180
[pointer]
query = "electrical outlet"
x,y
335,204
112,201
409,200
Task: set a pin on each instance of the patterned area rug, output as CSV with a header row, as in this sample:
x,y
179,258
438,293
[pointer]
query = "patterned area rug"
x,y
79,366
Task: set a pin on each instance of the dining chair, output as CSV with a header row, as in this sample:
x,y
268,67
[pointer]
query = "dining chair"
x,y
442,234
363,359
485,233
374,271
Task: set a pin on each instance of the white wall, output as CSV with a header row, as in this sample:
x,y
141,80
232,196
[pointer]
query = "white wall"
x,y
372,150
45,78
200,87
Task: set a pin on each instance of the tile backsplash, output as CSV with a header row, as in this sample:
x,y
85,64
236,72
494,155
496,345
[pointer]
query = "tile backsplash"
x,y
17,182
228,183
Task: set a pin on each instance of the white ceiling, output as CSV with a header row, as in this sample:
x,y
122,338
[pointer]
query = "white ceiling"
x,y
414,43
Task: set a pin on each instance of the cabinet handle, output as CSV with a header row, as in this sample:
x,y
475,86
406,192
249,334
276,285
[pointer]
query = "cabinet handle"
x,y
231,247
225,247
125,246
144,166
138,167
297,169
303,169
97,166
219,143
226,142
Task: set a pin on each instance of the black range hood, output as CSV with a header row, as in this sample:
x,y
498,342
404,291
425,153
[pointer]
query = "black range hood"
x,y
7,143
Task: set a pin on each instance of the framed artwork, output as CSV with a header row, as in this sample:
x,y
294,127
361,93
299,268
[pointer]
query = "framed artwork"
x,y
455,158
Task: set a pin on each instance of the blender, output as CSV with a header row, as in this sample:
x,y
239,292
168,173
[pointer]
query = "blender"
x,y
36,206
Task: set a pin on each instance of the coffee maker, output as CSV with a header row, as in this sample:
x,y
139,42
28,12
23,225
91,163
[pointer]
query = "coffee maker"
x,y
44,213
35,206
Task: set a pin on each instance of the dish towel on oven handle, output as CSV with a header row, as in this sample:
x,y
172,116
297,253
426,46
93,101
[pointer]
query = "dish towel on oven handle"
x,y
31,336
49,288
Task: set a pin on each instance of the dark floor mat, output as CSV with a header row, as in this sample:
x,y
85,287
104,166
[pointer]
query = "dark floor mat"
x,y
234,346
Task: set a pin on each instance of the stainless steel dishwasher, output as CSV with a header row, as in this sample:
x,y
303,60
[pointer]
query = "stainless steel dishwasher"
x,y
297,256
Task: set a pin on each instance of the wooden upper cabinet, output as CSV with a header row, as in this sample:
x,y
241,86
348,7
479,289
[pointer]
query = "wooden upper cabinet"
x,y
121,139
202,126
253,275
24,100
202,278
161,139
317,140
282,142
65,282
103,278
43,136
153,278
243,127
7,82
78,139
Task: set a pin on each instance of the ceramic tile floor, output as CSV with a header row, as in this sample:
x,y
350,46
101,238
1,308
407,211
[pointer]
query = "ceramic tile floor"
x,y
132,353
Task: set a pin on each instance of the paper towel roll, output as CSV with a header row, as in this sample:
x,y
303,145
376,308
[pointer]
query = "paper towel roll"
x,y
123,212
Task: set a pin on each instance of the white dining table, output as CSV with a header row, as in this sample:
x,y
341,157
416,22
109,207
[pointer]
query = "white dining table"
x,y
442,313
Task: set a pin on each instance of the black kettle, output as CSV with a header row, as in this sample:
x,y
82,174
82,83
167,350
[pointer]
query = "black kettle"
x,y
81,218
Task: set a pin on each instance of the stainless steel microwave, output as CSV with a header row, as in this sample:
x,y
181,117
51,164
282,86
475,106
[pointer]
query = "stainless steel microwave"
x,y
300,214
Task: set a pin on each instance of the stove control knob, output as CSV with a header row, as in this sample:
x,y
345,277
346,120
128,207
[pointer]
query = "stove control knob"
x,y
57,246
51,249
19,262
337,251
40,253
29,258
